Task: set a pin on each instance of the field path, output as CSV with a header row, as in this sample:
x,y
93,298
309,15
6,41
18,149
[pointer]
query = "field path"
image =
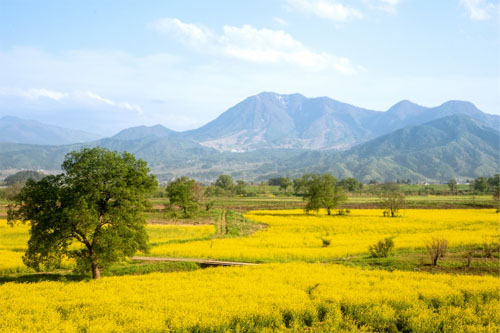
x,y
199,261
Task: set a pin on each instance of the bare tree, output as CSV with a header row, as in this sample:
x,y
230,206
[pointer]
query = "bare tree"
x,y
392,200
436,249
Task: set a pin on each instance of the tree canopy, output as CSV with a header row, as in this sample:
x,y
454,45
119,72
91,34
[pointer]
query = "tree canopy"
x,y
322,191
186,194
93,212
225,182
351,184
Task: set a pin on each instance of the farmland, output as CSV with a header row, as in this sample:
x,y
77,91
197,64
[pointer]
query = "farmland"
x,y
274,296
300,283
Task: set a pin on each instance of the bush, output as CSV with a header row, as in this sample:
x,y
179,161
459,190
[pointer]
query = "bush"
x,y
490,246
343,212
436,249
382,248
326,241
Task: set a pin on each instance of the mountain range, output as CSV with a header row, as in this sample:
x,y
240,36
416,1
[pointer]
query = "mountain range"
x,y
17,130
271,134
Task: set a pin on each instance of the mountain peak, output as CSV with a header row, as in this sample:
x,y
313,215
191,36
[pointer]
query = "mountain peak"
x,y
139,132
459,104
406,106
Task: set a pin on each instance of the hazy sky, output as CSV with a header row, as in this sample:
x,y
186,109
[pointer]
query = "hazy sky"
x,y
106,65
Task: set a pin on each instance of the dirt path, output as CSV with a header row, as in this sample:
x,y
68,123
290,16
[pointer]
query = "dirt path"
x,y
221,224
207,262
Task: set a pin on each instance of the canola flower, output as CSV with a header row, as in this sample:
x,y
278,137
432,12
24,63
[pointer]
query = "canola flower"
x,y
292,235
293,296
13,241
12,247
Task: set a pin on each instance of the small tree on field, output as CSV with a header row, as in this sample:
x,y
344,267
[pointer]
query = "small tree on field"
x,y
299,184
481,184
436,249
185,193
241,187
351,184
452,184
225,182
285,183
93,212
391,199
322,191
494,184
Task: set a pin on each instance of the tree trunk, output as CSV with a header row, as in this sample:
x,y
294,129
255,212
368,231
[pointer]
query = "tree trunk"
x,y
96,274
435,260
329,212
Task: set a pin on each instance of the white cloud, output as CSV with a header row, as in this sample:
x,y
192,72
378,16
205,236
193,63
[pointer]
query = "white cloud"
x,y
384,5
191,33
32,94
480,10
332,10
120,105
37,93
279,21
79,97
254,45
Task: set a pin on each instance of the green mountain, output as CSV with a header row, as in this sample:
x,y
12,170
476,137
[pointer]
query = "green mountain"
x,y
455,146
270,120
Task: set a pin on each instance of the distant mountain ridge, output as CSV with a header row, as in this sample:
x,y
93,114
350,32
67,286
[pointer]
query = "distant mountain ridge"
x,y
270,120
17,130
456,146
270,134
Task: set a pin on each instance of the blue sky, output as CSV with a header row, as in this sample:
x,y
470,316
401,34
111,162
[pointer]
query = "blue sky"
x,y
102,66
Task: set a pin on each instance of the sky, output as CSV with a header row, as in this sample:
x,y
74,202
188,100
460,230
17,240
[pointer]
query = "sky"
x,y
102,66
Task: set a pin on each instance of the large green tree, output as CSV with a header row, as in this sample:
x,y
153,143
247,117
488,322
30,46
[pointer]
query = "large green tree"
x,y
186,194
481,184
322,191
351,184
93,212
225,183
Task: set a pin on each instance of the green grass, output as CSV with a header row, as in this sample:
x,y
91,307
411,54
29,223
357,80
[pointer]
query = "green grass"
x,y
128,268
454,262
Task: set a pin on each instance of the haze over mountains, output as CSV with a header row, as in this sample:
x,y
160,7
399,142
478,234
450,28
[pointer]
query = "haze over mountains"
x,y
271,134
17,130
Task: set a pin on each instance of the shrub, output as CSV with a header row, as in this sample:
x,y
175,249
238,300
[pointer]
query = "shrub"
x,y
436,249
490,246
344,212
326,241
382,248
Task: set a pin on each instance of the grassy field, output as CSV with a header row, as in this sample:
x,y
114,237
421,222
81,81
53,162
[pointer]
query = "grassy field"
x,y
280,201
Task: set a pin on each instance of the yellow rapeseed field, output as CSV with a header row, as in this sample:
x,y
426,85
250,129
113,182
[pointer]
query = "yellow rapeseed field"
x,y
13,244
13,241
291,235
267,297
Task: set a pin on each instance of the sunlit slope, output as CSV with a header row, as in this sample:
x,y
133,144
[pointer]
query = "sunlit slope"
x,y
292,235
